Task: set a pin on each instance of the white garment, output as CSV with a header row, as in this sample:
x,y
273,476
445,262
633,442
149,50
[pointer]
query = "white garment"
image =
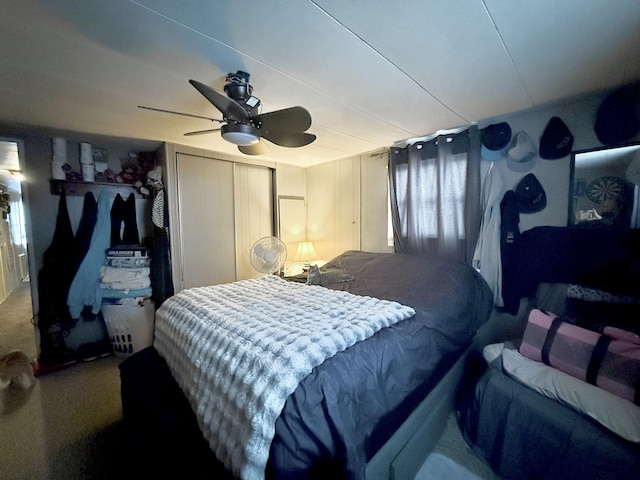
x,y
114,274
125,278
486,257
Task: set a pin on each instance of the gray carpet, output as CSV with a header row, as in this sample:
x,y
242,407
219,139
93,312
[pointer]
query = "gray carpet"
x,y
453,458
67,426
16,328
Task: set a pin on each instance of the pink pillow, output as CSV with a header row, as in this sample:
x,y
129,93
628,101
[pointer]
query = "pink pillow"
x,y
610,361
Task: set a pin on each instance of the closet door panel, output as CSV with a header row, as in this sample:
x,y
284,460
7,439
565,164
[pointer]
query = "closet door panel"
x,y
206,215
253,213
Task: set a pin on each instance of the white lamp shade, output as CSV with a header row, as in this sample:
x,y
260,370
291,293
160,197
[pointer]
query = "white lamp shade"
x,y
305,252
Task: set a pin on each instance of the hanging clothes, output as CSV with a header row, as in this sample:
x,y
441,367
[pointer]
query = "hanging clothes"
x,y
487,257
54,280
161,279
509,239
85,288
124,212
85,228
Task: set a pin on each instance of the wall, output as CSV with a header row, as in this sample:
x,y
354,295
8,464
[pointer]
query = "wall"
x,y
348,205
333,210
374,193
340,218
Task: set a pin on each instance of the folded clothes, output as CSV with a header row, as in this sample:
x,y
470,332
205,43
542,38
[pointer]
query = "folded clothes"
x,y
114,274
114,293
130,301
128,262
133,284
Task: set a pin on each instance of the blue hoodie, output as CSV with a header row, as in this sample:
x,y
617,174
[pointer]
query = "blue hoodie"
x,y
85,288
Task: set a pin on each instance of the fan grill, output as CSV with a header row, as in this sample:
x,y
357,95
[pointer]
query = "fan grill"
x,y
268,255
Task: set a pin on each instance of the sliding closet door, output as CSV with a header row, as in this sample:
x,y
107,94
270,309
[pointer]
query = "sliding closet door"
x,y
206,215
253,213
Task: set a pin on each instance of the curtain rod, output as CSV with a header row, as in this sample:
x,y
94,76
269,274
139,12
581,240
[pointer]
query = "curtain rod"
x,y
427,138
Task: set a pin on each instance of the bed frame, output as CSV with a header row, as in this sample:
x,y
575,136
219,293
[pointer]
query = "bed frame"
x,y
404,453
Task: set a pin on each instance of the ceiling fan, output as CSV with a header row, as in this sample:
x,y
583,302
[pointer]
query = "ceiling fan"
x,y
242,125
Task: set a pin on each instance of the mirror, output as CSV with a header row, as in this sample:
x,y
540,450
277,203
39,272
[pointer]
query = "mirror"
x,y
602,192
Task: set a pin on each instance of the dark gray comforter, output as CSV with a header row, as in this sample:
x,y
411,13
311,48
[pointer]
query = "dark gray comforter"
x,y
350,405
527,436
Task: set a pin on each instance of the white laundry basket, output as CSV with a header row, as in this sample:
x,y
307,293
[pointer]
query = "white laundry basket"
x,y
130,327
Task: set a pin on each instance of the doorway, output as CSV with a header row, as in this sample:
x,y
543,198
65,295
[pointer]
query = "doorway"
x,y
16,308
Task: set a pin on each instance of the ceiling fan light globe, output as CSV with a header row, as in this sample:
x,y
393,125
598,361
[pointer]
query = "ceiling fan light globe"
x,y
240,134
240,138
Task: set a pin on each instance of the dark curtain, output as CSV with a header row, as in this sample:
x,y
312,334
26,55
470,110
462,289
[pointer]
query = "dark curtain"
x,y
435,195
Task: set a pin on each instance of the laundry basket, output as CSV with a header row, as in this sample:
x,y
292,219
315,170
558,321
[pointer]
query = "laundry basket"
x,y
130,327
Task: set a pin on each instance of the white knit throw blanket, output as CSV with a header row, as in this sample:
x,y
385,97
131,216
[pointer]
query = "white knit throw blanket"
x,y
239,350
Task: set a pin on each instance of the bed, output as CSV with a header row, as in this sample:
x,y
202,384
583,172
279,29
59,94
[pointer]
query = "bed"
x,y
371,409
558,402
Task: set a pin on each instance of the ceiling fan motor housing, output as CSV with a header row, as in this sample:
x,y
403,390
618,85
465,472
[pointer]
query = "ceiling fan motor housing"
x,y
239,89
237,86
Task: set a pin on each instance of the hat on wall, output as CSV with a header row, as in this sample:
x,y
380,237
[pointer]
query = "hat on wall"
x,y
556,141
495,141
530,196
617,120
522,155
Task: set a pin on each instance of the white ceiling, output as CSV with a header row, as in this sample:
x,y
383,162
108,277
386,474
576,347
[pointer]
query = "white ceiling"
x,y
370,72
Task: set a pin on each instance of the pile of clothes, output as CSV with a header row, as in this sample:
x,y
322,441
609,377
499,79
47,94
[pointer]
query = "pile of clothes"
x,y
125,280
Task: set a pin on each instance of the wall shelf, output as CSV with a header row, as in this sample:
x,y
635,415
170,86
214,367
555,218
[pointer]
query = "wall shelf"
x,y
81,188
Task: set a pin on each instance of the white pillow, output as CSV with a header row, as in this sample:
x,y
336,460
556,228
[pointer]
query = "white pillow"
x,y
617,414
492,351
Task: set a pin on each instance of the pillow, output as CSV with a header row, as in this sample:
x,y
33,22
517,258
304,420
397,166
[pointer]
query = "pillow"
x,y
609,362
618,415
492,351
332,275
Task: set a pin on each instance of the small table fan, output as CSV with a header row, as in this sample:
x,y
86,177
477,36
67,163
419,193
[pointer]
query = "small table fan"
x,y
268,255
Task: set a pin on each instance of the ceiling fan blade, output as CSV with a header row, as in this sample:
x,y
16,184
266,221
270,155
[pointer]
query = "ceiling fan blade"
x,y
231,109
259,148
180,113
201,132
293,119
285,139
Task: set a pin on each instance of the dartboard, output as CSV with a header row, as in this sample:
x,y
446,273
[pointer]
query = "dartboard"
x,y
604,188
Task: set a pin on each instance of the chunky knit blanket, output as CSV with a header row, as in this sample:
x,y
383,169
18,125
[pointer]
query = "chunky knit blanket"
x,y
239,350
